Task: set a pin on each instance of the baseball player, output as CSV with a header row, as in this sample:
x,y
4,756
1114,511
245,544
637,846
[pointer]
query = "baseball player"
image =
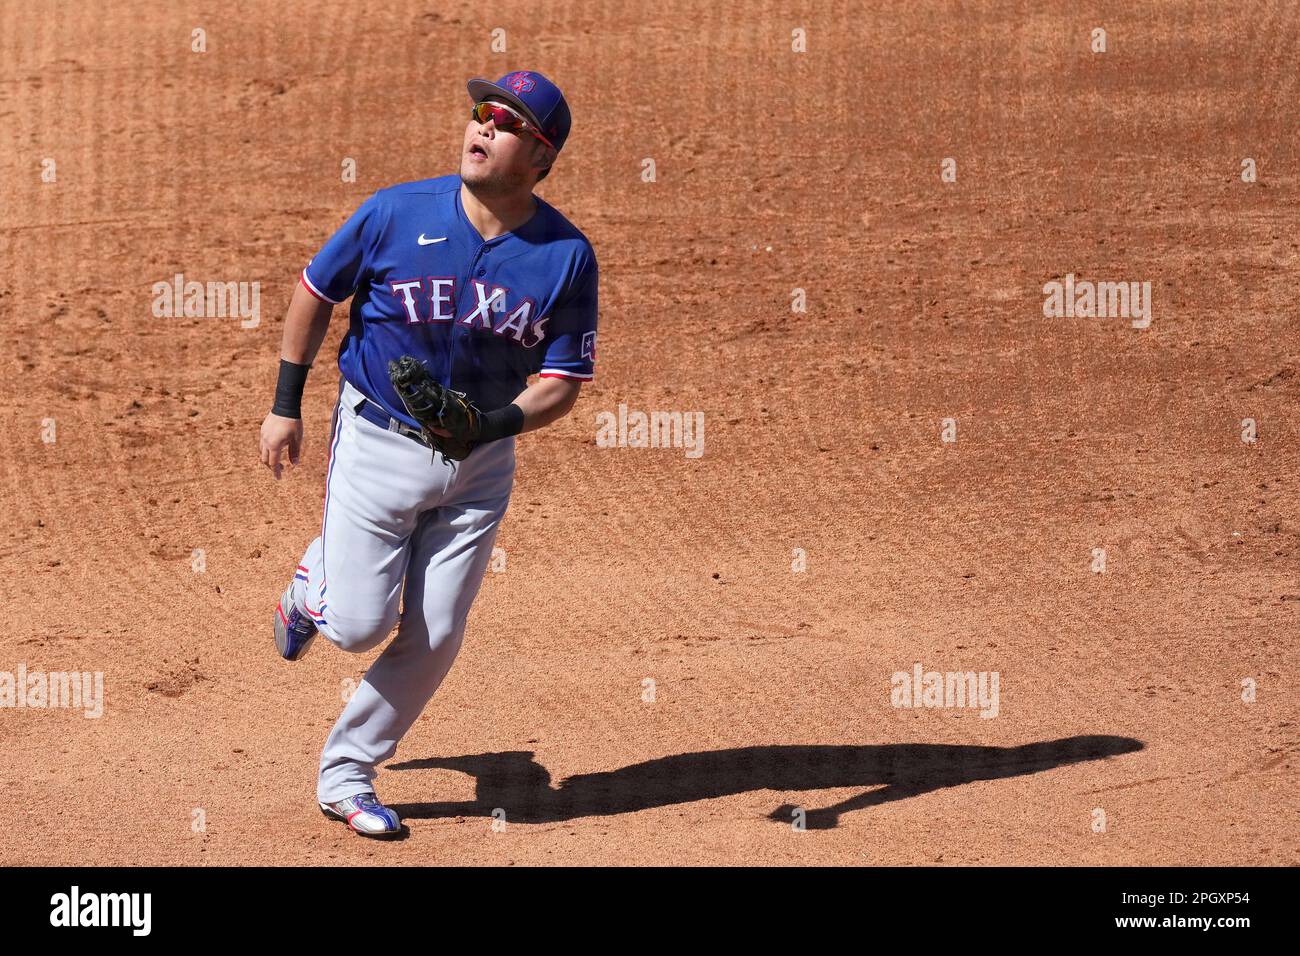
x,y
462,288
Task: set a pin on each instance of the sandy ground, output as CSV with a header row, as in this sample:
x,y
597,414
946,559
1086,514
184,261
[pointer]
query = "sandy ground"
x,y
827,538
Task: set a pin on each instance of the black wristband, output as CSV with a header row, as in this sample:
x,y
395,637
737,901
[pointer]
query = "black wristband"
x,y
288,390
500,423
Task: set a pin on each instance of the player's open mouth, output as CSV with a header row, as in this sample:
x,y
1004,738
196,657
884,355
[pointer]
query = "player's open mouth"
x,y
477,150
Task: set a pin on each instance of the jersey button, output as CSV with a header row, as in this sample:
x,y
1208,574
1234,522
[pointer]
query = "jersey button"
x,y
482,272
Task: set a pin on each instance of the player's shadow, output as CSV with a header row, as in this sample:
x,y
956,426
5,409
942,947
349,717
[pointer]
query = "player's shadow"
x,y
520,786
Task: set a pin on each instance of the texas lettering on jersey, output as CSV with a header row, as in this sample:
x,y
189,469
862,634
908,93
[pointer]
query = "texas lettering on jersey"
x,y
433,299
483,315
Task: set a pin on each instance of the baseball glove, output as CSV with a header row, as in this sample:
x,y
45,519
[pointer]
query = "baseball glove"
x,y
436,407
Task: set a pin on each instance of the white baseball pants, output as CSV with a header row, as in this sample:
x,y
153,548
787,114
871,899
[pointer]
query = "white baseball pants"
x,y
405,541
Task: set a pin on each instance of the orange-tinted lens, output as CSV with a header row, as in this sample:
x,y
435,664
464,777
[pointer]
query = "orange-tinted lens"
x,y
501,117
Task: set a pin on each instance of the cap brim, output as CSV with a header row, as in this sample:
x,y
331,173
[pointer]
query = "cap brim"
x,y
480,90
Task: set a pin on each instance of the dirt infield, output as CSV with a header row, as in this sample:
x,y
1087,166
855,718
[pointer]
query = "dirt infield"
x,y
684,657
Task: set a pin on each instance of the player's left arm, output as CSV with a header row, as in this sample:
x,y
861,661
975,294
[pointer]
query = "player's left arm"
x,y
571,355
547,400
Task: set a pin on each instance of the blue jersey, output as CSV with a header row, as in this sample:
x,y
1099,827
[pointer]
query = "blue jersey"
x,y
482,316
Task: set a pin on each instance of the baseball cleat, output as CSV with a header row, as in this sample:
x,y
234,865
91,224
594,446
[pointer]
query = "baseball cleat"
x,y
294,629
365,814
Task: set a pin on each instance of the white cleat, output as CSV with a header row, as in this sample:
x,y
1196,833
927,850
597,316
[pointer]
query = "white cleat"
x,y
365,814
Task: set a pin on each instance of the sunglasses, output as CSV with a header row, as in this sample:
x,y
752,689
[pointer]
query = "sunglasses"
x,y
506,120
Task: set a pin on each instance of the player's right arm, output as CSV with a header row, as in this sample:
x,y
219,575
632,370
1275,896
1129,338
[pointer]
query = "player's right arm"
x,y
333,275
305,325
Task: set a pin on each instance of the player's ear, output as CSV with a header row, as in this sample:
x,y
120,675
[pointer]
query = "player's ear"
x,y
543,156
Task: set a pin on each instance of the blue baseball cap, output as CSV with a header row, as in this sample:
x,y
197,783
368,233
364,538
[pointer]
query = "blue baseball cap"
x,y
536,98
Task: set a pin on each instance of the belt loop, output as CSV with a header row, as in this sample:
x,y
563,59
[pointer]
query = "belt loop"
x,y
354,397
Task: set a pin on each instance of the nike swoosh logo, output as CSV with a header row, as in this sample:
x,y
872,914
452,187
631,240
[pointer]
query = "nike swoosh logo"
x,y
428,242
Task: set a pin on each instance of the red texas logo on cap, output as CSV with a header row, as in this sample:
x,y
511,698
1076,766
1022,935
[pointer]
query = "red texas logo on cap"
x,y
520,83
